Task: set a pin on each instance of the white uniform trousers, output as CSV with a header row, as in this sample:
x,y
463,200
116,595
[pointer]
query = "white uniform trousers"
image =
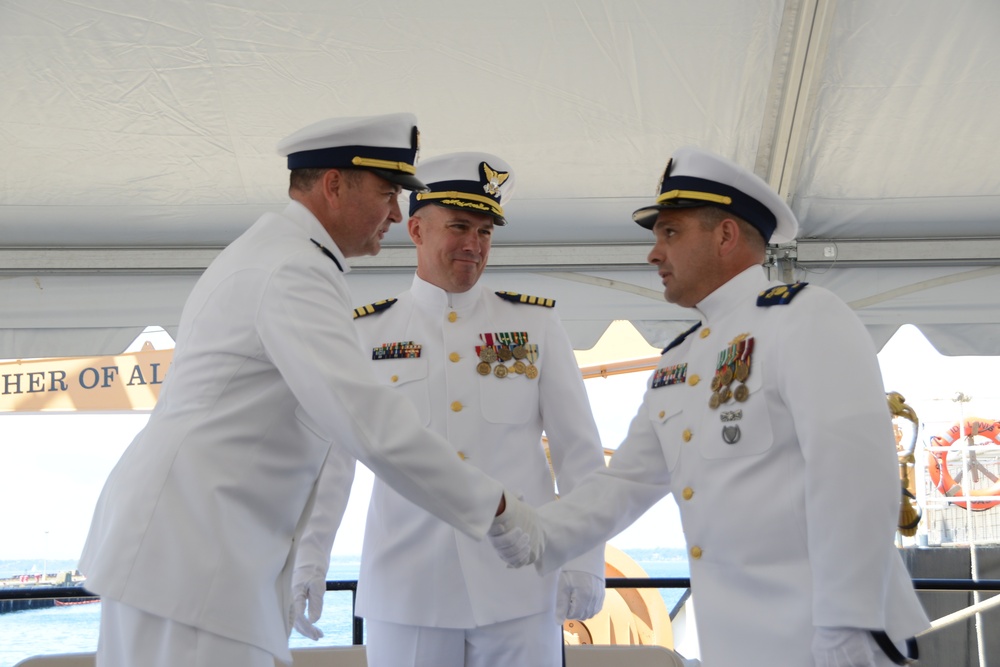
x,y
531,641
133,638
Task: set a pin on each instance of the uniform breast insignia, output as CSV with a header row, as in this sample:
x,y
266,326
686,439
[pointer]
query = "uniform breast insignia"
x,y
676,374
503,347
779,295
732,364
680,339
514,297
402,350
373,308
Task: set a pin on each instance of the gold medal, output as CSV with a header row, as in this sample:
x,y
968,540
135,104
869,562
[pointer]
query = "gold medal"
x,y
519,367
500,371
713,402
519,352
531,372
716,383
725,395
483,368
504,353
727,376
742,393
742,371
488,354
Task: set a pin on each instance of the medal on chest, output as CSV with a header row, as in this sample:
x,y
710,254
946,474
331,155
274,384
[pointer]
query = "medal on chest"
x,y
732,365
502,347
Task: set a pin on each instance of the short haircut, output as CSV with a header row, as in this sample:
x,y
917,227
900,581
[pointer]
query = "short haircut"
x,y
711,216
305,178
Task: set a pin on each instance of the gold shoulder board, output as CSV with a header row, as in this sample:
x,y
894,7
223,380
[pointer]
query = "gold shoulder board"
x,y
514,297
780,295
372,308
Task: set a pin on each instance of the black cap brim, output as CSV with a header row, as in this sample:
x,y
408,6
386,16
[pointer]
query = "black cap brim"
x,y
647,215
406,181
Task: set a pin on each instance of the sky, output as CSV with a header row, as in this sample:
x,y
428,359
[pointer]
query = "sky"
x,y
55,465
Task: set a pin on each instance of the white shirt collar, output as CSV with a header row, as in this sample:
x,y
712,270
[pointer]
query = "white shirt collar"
x,y
304,218
433,296
727,297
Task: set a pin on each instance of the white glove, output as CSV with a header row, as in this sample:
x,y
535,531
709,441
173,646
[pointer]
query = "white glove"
x,y
308,588
580,595
844,647
515,534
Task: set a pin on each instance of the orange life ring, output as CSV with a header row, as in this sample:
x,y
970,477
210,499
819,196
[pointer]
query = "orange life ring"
x,y
937,462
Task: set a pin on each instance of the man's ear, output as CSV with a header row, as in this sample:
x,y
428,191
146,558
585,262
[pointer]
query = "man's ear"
x,y
331,182
416,233
729,236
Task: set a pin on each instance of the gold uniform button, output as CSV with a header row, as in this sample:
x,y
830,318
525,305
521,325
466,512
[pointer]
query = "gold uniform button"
x,y
696,552
662,414
461,455
687,435
456,407
688,492
454,357
705,332
694,379
452,316
395,378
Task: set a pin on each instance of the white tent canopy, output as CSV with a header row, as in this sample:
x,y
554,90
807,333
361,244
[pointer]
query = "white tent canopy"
x,y
137,139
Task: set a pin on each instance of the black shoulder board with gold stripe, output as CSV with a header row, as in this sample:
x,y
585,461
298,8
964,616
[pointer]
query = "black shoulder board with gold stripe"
x,y
524,298
371,308
780,295
680,339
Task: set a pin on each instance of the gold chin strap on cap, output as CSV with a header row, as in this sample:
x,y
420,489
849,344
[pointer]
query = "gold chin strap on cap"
x,y
463,198
694,194
384,164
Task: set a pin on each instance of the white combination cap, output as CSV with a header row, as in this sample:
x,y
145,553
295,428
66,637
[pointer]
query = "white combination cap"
x,y
386,145
695,177
466,181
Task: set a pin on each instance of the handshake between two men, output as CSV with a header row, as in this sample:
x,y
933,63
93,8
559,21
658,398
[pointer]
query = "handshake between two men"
x,y
516,534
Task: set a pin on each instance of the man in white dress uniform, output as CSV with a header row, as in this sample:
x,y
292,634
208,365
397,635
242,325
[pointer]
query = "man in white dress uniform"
x,y
489,371
194,535
768,422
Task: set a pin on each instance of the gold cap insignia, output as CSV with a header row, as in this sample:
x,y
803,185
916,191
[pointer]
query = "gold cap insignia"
x,y
494,179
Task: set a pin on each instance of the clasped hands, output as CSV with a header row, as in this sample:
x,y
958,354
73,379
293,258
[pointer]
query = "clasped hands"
x,y
515,533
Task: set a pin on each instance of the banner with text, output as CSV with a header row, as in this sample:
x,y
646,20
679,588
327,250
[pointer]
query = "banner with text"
x,y
115,383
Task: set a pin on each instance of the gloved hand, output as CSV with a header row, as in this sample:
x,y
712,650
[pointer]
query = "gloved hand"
x,y
308,588
580,595
844,647
515,534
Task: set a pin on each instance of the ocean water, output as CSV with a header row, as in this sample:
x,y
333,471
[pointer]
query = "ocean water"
x,y
73,629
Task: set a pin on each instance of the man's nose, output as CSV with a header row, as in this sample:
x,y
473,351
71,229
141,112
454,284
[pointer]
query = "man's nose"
x,y
395,214
470,240
654,257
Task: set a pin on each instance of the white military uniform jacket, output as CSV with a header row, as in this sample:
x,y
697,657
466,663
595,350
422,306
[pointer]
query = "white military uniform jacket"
x,y
789,499
416,569
198,520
